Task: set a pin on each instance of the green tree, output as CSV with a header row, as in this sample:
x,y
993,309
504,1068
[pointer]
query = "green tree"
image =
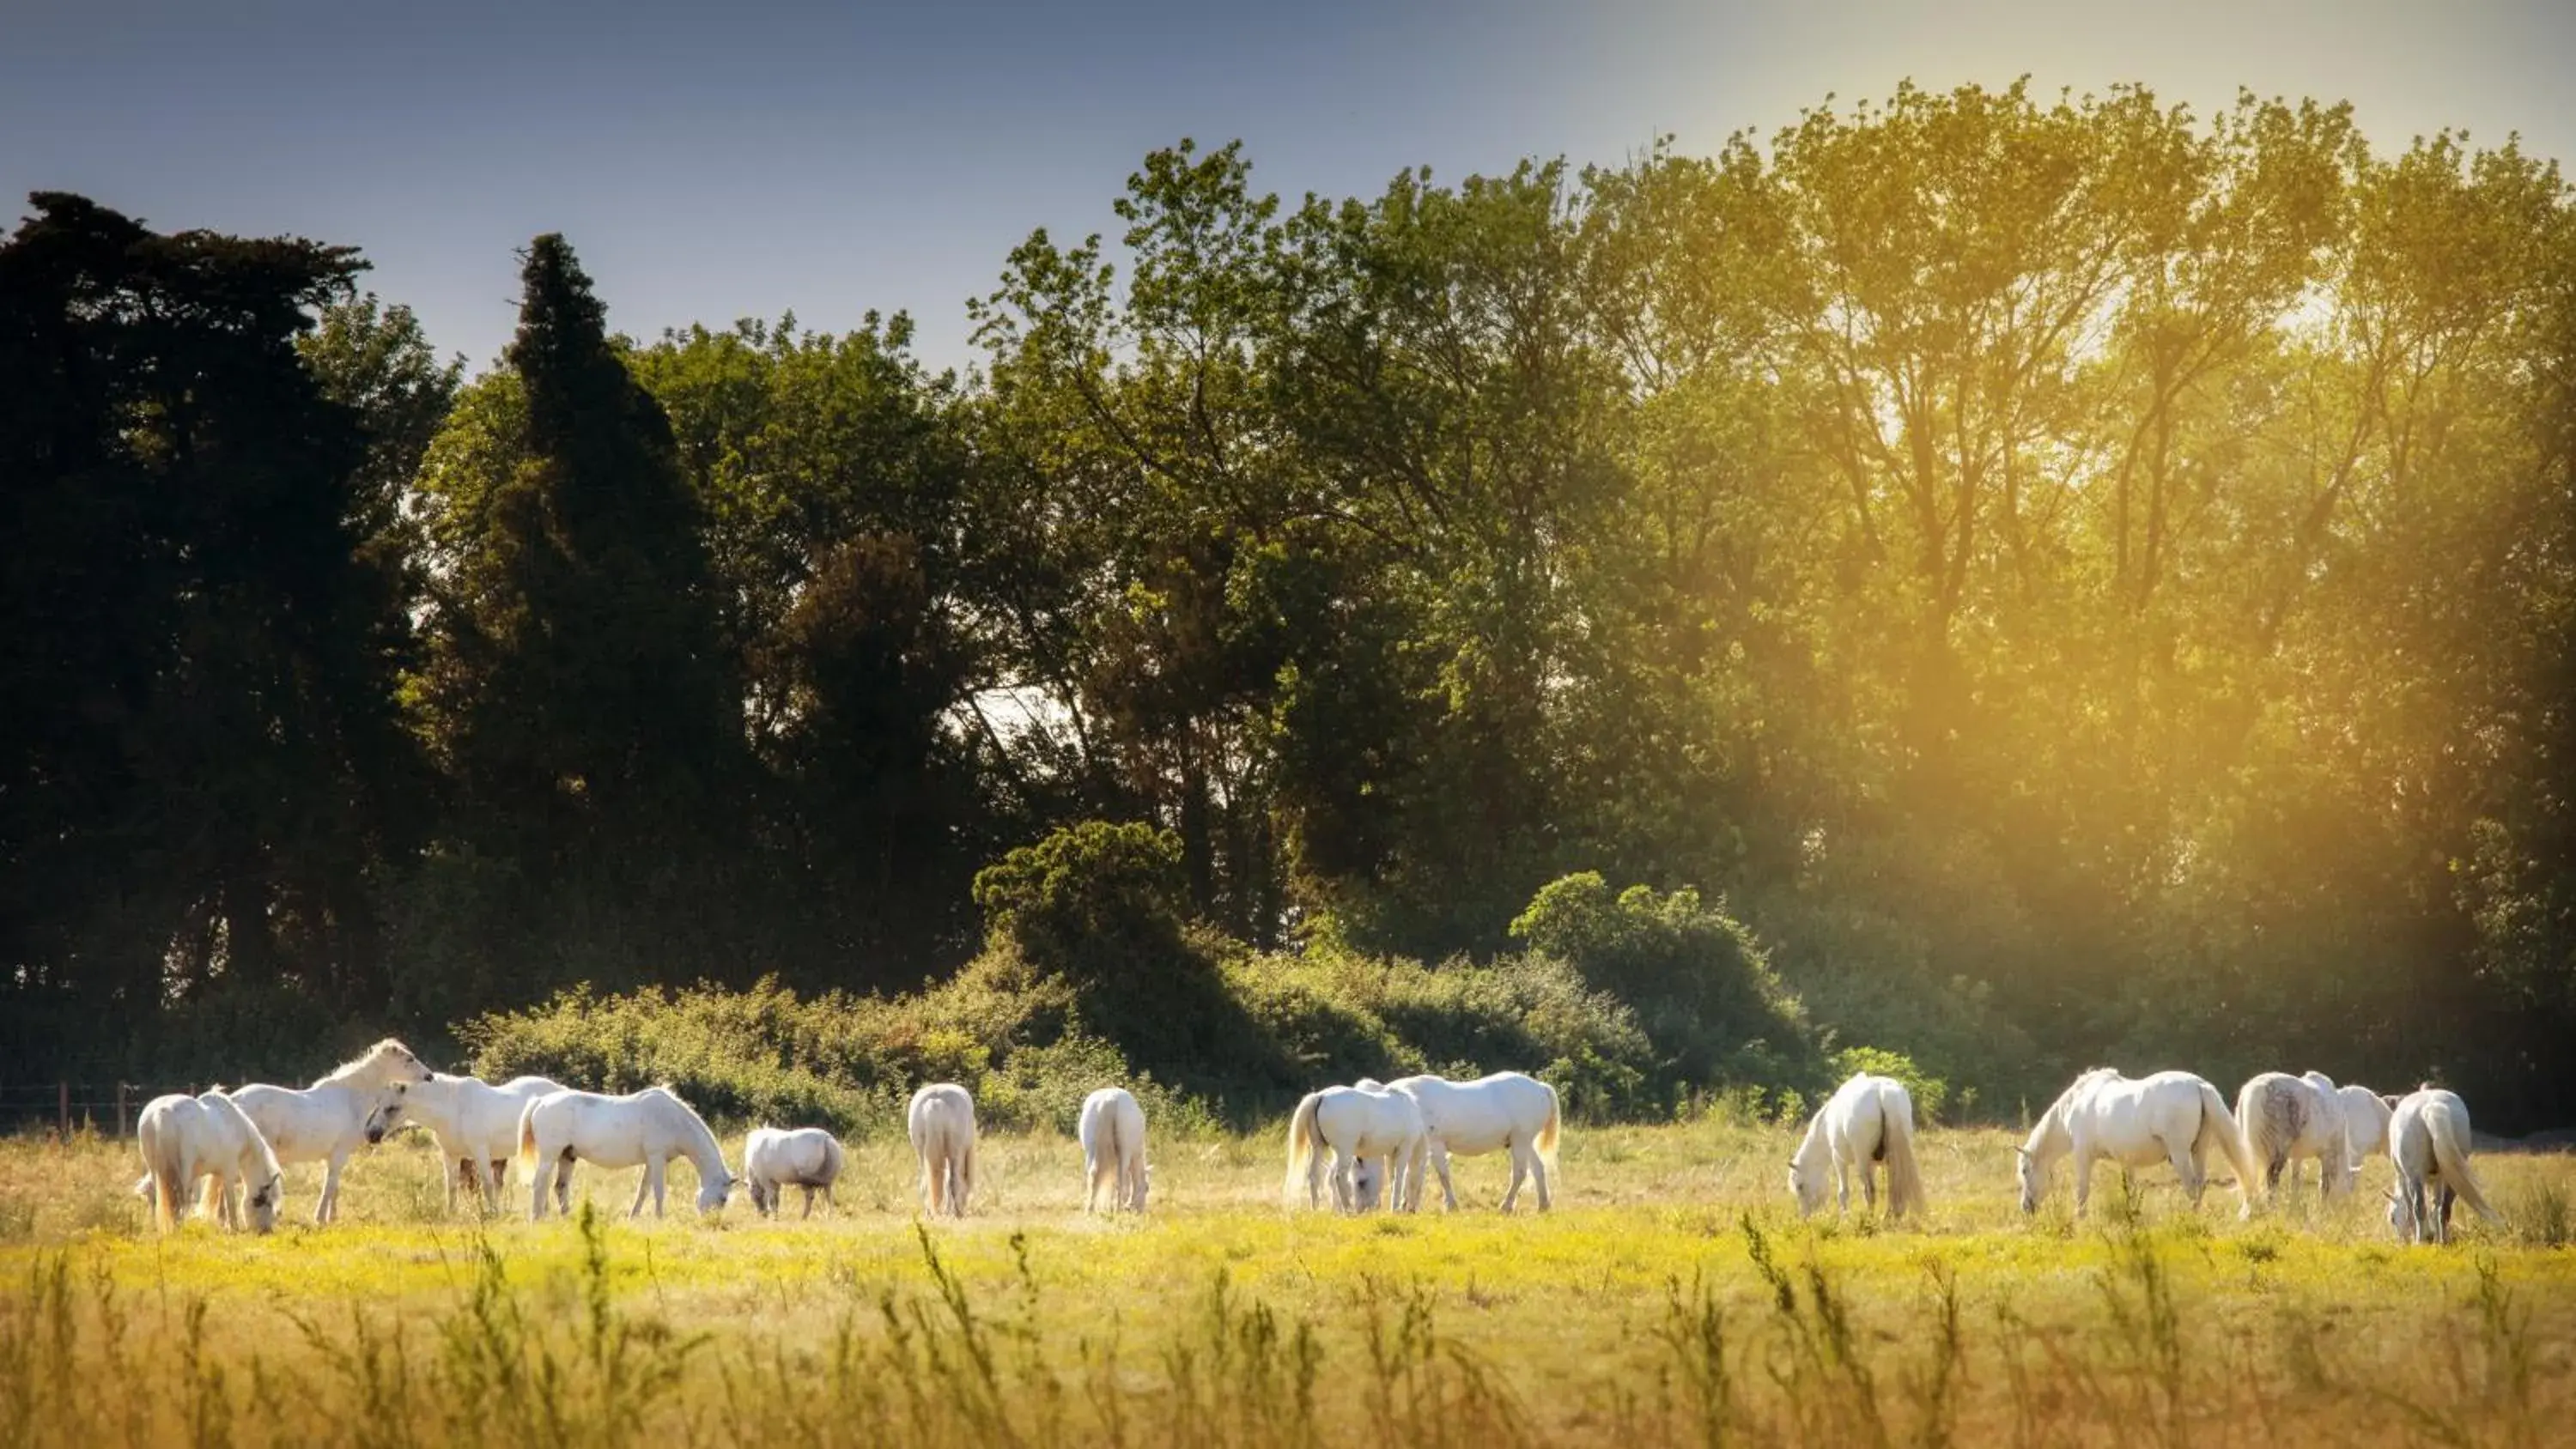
x,y
578,683
202,765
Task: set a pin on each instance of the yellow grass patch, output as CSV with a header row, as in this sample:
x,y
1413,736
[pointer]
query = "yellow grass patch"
x,y
1673,1298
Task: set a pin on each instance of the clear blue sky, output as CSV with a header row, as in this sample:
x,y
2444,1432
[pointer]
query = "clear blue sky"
x,y
715,160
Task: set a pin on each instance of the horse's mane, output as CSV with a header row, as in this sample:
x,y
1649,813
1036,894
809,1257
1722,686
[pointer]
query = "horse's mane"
x,y
363,1061
1813,1142
2084,1081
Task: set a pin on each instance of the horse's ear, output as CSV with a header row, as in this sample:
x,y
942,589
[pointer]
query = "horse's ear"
x,y
2020,1150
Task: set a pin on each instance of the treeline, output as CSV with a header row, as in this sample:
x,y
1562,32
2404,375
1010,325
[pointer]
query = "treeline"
x,y
2077,581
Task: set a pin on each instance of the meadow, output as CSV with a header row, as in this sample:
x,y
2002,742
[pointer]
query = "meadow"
x,y
1673,1298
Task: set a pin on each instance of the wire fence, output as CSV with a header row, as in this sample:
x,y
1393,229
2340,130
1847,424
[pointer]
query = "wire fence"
x,y
61,1108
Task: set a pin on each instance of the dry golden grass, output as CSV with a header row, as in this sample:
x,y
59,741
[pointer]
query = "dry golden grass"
x,y
1673,1298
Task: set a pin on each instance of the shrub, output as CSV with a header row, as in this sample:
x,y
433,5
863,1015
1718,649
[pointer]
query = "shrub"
x,y
1929,1092
1100,908
1700,984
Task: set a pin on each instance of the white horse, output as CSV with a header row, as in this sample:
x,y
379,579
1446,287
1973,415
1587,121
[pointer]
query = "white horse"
x,y
807,1157
649,1128
184,1138
1356,1122
2428,1140
2169,1117
477,1127
2365,1121
2289,1119
941,1122
1868,1120
1113,1150
354,1106
1503,1112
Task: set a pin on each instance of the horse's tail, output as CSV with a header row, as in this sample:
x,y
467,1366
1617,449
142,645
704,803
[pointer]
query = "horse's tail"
x,y
2218,1129
168,1165
1107,1155
2255,1123
1545,1142
1303,1158
1896,1139
528,1136
2451,1155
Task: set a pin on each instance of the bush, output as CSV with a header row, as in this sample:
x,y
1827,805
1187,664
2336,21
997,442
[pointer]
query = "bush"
x,y
847,1063
1699,982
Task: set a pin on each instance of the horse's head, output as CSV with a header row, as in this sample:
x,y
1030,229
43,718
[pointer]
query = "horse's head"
x,y
398,1062
388,1112
261,1204
1144,1180
1368,1179
713,1191
2401,1215
1807,1184
2034,1179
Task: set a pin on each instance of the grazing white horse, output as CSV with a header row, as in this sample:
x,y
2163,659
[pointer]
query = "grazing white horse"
x,y
2428,1140
2365,1121
649,1128
941,1122
354,1106
2289,1119
477,1127
2169,1117
1502,1112
184,1138
1113,1150
807,1157
1356,1122
1868,1120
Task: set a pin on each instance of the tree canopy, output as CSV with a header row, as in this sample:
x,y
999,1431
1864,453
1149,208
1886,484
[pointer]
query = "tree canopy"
x,y
2020,581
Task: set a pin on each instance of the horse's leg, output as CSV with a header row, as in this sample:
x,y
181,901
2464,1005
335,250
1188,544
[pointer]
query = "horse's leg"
x,y
1448,1191
563,1184
328,1208
659,1170
2185,1157
1520,1154
2443,1197
2083,1181
1538,1175
1842,1184
539,1181
643,1187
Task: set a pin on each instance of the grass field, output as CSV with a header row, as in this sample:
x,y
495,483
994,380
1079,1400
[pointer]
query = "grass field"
x,y
1673,1298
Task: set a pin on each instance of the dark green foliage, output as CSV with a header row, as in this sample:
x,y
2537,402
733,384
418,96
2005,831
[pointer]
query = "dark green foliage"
x,y
1099,907
201,762
2080,581
1698,980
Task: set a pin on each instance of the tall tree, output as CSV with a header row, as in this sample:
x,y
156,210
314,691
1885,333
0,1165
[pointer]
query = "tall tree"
x,y
578,682
201,754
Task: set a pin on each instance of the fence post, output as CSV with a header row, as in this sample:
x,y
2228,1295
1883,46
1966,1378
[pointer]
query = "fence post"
x,y
63,1100
120,1111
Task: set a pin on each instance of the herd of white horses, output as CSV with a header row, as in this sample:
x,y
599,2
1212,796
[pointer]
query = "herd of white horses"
x,y
226,1149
